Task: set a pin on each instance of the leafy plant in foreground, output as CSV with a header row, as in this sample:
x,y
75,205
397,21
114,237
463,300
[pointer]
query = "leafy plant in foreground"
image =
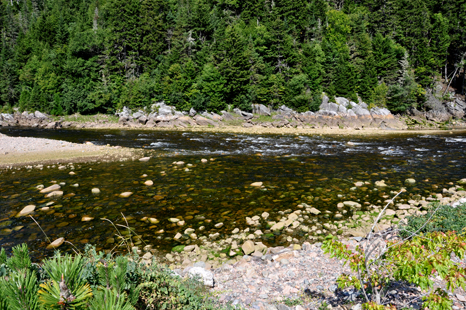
x,y
414,261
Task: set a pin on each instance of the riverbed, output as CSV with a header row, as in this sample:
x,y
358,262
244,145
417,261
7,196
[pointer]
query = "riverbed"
x,y
204,179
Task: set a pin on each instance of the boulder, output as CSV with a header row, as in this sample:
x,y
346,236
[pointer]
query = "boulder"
x,y
162,108
260,109
138,114
40,115
192,112
125,112
243,114
143,120
205,276
227,116
202,121
285,110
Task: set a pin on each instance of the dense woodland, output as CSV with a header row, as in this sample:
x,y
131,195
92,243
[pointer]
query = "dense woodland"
x,y
89,56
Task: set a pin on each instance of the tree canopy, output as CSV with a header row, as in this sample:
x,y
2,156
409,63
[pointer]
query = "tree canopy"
x,y
91,56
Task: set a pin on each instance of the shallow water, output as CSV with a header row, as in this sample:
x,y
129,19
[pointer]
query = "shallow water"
x,y
318,170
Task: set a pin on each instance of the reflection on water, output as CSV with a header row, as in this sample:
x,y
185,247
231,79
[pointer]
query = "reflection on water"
x,y
318,170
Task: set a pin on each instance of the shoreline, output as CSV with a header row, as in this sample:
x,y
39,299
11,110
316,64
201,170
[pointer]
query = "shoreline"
x,y
52,151
23,151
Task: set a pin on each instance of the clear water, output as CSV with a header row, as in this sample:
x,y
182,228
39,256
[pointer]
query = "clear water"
x,y
318,170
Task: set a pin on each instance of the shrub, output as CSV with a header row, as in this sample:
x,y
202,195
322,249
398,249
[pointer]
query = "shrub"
x,y
439,218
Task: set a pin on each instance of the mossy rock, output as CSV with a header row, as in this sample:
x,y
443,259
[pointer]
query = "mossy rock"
x,y
178,248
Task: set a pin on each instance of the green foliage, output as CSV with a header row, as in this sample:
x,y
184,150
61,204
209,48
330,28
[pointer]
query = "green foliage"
x,y
20,259
64,57
161,289
413,260
64,271
107,299
19,290
442,218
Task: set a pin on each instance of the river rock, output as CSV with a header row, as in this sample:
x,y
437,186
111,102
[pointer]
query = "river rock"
x,y
257,184
462,182
218,225
51,188
178,236
126,194
87,218
204,160
390,212
265,215
26,210
95,191
205,276
54,194
410,181
314,211
189,248
277,226
380,183
174,220
144,159
352,204
153,220
248,247
56,243
149,183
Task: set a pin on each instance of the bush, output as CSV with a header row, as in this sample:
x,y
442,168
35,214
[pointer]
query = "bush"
x,y
441,218
94,281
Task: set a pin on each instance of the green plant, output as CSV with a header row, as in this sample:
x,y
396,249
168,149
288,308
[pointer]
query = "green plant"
x,y
414,260
19,290
66,289
439,218
109,299
161,289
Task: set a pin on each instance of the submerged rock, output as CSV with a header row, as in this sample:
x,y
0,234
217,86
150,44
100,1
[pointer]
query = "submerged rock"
x,y
54,194
26,210
51,188
95,191
126,194
56,243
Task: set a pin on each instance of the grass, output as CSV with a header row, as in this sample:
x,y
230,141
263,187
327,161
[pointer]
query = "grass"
x,y
87,118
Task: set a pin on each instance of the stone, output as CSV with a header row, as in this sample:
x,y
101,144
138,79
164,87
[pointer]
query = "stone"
x,y
204,160
54,194
410,181
86,218
380,183
293,217
95,191
265,215
26,210
277,226
147,256
189,248
461,298
314,211
260,109
178,236
153,220
352,204
257,184
390,212
462,182
49,189
149,183
205,276
56,243
218,225
144,159
174,220
248,247
235,231
126,194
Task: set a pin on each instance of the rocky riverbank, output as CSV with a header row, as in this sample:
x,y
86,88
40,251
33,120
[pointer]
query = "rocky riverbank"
x,y
332,116
19,151
241,270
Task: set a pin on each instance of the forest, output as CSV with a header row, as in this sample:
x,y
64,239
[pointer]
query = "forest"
x,y
96,56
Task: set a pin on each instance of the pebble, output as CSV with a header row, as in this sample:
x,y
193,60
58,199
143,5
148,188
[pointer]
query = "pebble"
x,y
26,210
95,191
126,194
149,183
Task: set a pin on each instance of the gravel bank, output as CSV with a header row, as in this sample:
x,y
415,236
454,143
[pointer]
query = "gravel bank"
x,y
16,151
